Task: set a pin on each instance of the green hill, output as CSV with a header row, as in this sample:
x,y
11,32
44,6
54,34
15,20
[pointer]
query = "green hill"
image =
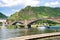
x,y
36,12
2,16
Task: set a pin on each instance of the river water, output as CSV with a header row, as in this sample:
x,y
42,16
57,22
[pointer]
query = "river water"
x,y
11,33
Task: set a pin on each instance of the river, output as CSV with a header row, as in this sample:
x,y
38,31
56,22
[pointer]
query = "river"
x,y
11,33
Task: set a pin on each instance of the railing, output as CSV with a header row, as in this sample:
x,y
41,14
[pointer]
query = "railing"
x,y
38,36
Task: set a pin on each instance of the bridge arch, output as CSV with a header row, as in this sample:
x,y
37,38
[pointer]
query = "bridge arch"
x,y
18,24
14,23
48,21
3,22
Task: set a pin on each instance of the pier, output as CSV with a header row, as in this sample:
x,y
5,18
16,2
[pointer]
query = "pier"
x,y
37,36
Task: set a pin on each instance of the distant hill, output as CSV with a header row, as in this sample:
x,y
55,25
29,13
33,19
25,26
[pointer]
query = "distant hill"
x,y
2,16
36,12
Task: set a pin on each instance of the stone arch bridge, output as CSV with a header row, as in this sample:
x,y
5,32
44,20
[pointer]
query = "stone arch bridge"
x,y
29,22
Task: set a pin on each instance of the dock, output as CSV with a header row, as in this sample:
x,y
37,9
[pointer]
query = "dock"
x,y
37,36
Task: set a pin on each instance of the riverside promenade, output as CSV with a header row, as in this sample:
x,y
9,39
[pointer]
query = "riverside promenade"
x,y
37,36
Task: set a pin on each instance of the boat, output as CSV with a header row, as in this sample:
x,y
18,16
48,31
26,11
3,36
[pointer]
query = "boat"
x,y
41,27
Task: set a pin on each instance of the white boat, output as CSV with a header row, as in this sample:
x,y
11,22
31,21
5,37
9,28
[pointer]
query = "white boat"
x,y
41,27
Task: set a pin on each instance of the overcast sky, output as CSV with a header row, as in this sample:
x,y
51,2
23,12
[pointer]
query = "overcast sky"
x,y
9,7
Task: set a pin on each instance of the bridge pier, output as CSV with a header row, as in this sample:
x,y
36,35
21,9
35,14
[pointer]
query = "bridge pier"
x,y
26,26
25,23
29,26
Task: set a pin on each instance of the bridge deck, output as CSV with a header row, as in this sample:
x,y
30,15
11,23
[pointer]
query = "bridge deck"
x,y
35,36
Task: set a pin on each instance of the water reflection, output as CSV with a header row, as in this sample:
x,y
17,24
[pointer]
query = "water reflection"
x,y
3,32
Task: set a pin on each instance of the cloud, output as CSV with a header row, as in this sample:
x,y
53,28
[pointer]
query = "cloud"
x,y
9,3
31,2
52,3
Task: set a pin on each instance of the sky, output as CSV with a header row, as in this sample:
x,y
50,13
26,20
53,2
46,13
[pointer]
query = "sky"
x,y
8,7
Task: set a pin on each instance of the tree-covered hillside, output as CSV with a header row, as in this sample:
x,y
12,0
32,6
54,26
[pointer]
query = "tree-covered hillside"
x,y
36,12
2,16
